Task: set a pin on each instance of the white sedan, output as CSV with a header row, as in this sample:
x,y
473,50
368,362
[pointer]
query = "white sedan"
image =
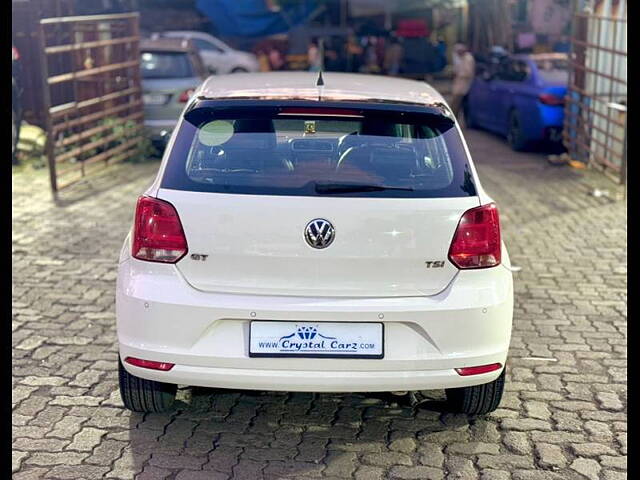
x,y
217,56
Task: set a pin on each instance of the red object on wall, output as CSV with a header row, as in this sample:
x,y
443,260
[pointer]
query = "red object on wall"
x,y
412,28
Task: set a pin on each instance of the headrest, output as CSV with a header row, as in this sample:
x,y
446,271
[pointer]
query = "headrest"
x,y
254,125
263,128
379,128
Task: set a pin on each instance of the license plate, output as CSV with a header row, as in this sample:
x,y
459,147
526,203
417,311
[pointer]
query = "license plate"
x,y
316,339
154,99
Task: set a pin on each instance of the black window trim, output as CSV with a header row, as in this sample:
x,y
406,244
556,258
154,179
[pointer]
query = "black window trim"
x,y
437,109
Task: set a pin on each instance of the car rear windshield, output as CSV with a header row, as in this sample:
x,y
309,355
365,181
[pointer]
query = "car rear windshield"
x,y
165,65
308,152
554,71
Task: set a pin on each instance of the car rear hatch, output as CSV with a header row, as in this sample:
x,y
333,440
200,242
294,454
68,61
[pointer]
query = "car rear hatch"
x,y
246,229
164,99
168,79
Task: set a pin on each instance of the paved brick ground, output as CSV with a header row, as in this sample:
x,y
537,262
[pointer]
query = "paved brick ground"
x,y
563,417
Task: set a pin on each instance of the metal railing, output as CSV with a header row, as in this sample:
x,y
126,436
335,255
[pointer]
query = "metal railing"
x,y
595,122
92,93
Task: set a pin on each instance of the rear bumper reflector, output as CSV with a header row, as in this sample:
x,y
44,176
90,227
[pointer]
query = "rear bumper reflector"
x,y
138,362
466,371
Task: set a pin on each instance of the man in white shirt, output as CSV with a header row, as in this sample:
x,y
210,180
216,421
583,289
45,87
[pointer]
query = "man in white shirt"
x,y
464,67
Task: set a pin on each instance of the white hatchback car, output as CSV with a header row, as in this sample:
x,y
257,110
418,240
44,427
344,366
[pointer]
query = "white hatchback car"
x,y
217,56
316,236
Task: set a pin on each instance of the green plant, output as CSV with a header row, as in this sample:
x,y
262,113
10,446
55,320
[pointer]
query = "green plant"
x,y
120,133
124,132
145,149
31,149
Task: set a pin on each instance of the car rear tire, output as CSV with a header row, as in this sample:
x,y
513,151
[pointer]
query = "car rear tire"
x,y
478,399
239,70
515,137
141,395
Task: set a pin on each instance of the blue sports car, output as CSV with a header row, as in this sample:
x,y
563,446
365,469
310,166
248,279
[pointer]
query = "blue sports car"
x,y
521,98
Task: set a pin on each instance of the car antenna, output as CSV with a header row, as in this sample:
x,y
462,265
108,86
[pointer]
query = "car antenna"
x,y
320,80
320,84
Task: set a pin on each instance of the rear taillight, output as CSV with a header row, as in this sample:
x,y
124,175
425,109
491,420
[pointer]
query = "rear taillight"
x,y
186,95
476,243
550,99
157,232
466,371
153,365
15,54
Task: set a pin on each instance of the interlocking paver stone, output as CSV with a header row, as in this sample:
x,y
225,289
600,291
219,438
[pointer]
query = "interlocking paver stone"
x,y
588,467
16,459
517,442
563,415
550,456
416,473
87,439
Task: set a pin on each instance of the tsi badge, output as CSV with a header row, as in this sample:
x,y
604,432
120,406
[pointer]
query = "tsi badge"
x,y
432,264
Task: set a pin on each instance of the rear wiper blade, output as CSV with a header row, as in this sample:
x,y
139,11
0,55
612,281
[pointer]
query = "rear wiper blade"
x,y
355,187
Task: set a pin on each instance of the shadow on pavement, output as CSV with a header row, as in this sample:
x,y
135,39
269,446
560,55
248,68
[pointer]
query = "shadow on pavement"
x,y
249,434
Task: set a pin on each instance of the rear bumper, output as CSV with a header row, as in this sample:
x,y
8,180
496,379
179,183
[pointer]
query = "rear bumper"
x,y
312,380
161,317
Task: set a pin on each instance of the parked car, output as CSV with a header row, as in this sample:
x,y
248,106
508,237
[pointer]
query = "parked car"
x,y
217,56
16,102
292,243
171,70
523,99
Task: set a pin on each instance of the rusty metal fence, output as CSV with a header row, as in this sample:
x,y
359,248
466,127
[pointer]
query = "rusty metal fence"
x,y
92,95
595,122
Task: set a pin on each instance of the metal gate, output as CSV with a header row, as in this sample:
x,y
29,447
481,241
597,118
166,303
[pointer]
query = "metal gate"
x,y
595,112
91,90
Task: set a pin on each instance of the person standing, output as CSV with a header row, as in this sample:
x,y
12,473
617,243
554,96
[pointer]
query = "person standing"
x,y
263,61
393,57
370,57
275,59
354,54
314,57
442,54
464,67
333,61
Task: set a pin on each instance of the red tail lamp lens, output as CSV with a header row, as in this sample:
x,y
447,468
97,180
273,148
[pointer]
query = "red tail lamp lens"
x,y
157,232
138,362
476,243
550,99
186,95
466,371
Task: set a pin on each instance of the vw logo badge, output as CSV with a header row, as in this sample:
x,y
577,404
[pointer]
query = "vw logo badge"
x,y
319,233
